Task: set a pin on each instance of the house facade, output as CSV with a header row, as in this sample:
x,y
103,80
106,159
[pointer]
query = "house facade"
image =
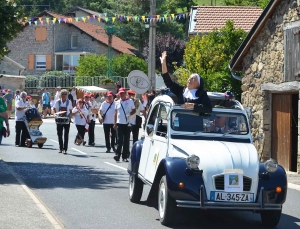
x,y
269,59
58,46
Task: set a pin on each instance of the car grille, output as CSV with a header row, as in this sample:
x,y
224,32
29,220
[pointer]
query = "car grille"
x,y
219,183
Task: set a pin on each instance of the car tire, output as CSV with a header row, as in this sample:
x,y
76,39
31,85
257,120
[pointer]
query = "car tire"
x,y
135,189
270,218
166,204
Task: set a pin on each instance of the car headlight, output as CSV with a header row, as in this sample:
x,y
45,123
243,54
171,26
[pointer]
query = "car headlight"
x,y
193,161
271,165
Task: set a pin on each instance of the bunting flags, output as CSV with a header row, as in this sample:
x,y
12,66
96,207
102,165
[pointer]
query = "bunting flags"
x,y
103,16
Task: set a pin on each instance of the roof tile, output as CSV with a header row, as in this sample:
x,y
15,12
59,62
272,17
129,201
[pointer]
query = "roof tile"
x,y
215,17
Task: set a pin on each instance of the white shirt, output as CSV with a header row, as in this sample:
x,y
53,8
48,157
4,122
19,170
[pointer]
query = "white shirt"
x,y
57,95
80,119
63,104
109,116
128,106
92,104
73,93
138,111
20,113
52,102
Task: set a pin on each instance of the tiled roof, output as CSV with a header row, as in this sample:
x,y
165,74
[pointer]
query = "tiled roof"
x,y
91,12
98,33
211,17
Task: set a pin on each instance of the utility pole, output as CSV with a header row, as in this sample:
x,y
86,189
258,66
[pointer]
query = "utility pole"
x,y
152,35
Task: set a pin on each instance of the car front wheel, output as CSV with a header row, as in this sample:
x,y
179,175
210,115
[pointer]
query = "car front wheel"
x,y
166,204
270,218
135,188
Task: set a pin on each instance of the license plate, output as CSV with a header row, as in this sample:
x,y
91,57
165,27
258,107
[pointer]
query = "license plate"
x,y
231,197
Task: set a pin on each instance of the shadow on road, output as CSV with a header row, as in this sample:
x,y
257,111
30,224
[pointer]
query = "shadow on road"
x,y
47,176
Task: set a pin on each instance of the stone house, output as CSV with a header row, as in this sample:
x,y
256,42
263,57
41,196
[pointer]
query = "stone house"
x,y
48,46
205,19
269,60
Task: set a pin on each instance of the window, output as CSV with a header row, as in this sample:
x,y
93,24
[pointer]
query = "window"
x,y
70,63
74,42
40,62
40,34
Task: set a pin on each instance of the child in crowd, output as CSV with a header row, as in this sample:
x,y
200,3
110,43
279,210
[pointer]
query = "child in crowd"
x,y
40,107
52,102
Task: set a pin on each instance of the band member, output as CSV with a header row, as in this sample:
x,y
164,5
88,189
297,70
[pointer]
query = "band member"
x,y
123,110
91,105
81,120
62,119
135,126
106,116
21,129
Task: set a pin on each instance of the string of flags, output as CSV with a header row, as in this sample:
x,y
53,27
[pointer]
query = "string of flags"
x,y
118,17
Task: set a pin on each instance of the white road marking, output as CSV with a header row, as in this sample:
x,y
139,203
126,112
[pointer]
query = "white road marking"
x,y
46,212
115,166
294,186
79,151
53,140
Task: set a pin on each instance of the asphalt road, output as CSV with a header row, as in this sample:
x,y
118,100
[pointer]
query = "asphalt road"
x,y
88,189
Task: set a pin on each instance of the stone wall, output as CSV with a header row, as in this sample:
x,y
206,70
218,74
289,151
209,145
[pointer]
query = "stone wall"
x,y
12,82
264,64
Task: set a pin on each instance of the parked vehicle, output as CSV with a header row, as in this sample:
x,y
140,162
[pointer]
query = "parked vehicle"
x,y
191,163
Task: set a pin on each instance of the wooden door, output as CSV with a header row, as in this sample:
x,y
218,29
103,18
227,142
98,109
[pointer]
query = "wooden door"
x,y
281,129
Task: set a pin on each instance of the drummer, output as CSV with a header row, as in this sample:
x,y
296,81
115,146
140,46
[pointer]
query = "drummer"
x,y
62,110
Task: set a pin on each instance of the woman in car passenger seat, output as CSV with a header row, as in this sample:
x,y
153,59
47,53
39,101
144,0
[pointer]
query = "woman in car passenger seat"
x,y
191,97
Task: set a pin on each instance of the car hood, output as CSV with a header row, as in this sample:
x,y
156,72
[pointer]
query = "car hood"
x,y
218,156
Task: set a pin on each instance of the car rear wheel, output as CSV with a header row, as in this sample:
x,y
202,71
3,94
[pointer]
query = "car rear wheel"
x,y
135,188
166,204
270,218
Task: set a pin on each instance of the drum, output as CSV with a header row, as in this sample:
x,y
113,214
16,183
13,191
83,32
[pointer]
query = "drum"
x,y
62,120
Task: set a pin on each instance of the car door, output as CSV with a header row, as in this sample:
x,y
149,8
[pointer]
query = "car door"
x,y
158,144
148,138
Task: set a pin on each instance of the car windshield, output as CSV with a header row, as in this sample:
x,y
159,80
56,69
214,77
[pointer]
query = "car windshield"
x,y
215,123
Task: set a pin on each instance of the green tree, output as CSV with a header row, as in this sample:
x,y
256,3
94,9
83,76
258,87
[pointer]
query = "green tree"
x,y
92,65
208,55
10,16
260,3
125,63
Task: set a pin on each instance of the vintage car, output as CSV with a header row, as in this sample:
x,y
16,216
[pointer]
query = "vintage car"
x,y
204,160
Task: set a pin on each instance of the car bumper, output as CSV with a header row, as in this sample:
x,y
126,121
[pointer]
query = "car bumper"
x,y
202,204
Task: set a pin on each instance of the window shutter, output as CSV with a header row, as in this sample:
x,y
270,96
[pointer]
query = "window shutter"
x,y
30,61
40,34
48,62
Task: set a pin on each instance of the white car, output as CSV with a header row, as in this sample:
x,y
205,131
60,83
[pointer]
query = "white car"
x,y
204,160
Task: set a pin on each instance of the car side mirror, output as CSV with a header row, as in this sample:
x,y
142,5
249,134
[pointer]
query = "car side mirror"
x,y
149,129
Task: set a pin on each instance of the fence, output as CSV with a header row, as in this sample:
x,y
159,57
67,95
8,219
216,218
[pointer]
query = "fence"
x,y
68,81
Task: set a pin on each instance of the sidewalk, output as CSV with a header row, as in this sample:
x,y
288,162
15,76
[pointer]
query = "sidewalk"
x,y
19,209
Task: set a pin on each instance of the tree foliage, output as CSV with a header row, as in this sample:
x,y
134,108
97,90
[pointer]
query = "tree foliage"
x,y
10,26
125,63
92,65
175,48
208,55
260,3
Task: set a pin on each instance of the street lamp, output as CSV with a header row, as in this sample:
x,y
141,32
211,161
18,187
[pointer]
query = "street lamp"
x,y
152,35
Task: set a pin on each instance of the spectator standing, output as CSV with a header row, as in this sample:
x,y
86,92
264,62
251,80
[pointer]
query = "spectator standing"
x,y
52,103
145,101
70,96
118,86
8,98
40,107
63,104
21,130
123,110
57,94
106,117
3,118
81,116
45,102
134,128
17,96
74,94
